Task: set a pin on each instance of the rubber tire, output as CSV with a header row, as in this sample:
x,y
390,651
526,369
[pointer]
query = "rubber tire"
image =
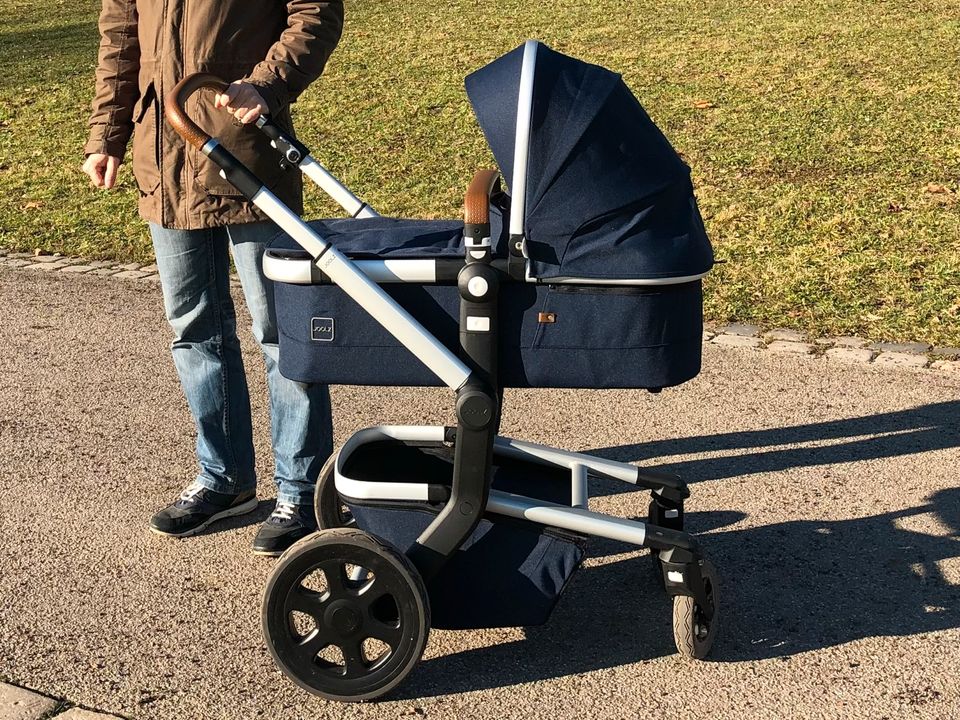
x,y
400,562
684,619
326,501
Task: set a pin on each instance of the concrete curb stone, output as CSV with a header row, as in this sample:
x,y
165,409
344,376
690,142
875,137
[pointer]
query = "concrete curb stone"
x,y
19,704
850,354
740,341
847,341
914,348
901,359
947,353
48,267
739,329
785,335
791,348
80,714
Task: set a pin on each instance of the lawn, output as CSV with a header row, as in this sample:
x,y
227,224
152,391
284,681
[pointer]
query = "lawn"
x,y
824,137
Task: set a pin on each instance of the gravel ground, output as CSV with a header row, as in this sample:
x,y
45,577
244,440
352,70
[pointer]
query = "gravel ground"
x,y
825,494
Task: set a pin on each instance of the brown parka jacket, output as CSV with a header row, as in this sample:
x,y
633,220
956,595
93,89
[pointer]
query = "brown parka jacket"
x,y
147,46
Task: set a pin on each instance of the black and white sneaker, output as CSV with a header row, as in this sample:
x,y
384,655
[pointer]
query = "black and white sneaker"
x,y
286,524
197,507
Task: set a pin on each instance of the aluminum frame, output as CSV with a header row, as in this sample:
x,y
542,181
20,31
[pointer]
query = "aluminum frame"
x,y
576,518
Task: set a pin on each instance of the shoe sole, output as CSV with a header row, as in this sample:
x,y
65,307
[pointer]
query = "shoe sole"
x,y
268,553
249,506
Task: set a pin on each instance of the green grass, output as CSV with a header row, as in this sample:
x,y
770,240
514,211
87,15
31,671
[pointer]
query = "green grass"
x,y
814,129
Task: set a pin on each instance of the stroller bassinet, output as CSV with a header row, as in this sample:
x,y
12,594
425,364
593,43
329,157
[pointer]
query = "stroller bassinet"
x,y
588,274
613,253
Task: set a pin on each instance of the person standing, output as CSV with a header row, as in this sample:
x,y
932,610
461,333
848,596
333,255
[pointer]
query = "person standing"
x,y
269,52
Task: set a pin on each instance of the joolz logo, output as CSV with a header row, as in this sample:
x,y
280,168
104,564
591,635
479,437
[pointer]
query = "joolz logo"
x,y
321,329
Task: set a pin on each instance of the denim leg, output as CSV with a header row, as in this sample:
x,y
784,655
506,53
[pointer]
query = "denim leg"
x,y
300,420
194,270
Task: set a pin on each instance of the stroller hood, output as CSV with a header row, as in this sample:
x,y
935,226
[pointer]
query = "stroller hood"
x,y
604,193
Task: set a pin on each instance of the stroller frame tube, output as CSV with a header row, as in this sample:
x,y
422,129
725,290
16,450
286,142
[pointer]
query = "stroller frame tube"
x,y
577,517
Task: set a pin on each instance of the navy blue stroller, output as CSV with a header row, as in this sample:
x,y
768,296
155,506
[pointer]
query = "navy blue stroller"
x,y
587,274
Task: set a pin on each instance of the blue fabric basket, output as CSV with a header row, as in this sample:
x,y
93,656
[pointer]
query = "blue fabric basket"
x,y
508,572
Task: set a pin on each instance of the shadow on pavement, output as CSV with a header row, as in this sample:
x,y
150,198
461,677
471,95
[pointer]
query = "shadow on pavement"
x,y
261,513
872,437
802,586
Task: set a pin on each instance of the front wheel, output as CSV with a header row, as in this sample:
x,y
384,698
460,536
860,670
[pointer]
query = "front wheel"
x,y
345,615
692,632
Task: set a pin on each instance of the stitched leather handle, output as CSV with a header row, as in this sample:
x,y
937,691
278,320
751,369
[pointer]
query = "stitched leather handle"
x,y
174,106
476,205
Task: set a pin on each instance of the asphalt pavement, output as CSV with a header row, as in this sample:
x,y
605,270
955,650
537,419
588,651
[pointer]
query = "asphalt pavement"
x,y
826,494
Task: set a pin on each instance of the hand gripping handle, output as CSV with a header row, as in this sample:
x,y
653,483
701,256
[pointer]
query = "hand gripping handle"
x,y
174,106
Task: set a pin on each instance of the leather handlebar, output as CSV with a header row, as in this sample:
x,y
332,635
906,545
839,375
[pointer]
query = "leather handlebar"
x,y
176,114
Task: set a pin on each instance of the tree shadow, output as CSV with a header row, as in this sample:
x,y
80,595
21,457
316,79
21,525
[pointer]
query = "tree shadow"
x,y
872,437
803,586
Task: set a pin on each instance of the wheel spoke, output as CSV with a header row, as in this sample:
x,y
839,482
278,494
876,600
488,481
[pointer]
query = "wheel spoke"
x,y
353,658
388,634
308,602
336,573
315,642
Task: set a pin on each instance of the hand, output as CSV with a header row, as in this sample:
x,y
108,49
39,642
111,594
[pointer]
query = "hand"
x,y
242,101
102,169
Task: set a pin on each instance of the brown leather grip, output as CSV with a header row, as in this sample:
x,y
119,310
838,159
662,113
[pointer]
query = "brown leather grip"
x,y
177,100
476,205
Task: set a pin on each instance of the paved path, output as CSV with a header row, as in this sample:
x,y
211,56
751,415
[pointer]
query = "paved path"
x,y
826,494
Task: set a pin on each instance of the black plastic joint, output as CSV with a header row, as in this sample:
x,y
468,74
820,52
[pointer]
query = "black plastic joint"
x,y
475,409
666,485
292,149
471,289
476,231
235,171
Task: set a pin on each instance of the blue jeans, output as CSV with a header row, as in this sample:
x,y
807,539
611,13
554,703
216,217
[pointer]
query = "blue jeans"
x,y
194,268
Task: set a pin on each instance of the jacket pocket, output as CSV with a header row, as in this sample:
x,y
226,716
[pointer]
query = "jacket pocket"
x,y
250,146
146,142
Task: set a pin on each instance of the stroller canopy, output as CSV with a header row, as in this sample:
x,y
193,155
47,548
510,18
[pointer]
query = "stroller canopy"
x,y
598,191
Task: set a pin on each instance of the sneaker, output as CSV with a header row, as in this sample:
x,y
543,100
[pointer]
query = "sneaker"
x,y
286,524
197,507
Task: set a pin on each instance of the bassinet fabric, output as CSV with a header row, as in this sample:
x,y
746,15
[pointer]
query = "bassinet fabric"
x,y
607,195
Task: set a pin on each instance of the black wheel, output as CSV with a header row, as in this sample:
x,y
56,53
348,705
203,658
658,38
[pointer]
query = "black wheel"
x,y
330,510
345,615
692,632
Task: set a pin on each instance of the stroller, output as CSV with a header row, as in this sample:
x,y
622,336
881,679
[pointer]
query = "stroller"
x,y
586,275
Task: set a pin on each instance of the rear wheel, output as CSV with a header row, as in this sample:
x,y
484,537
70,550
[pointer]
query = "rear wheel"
x,y
692,632
330,510
345,615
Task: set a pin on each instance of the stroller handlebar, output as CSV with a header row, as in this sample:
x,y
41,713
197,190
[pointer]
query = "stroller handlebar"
x,y
176,114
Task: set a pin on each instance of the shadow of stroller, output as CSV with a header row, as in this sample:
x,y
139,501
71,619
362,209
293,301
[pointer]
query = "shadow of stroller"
x,y
807,585
920,429
257,516
804,586
611,614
